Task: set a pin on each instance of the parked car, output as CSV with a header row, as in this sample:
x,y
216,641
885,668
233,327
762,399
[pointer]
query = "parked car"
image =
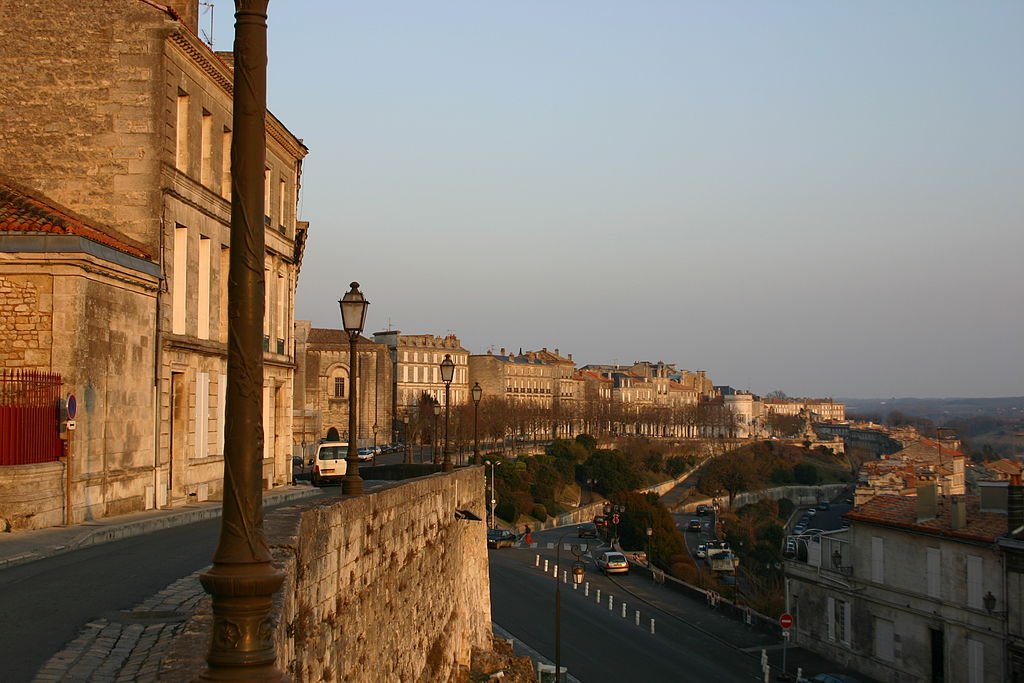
x,y
600,521
702,550
329,466
613,562
824,505
703,510
586,530
500,538
694,525
366,453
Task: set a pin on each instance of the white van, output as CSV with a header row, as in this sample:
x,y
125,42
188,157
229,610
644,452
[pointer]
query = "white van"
x,y
329,464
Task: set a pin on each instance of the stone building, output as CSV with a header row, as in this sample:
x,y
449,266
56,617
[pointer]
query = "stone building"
x,y
567,390
325,367
416,370
118,111
521,379
912,591
900,473
80,300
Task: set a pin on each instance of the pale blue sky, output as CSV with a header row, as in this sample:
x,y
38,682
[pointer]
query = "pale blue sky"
x,y
825,198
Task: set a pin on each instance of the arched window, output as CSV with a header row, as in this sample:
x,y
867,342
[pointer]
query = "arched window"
x,y
337,384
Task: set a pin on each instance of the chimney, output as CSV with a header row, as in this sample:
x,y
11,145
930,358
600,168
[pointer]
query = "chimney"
x,y
926,502
502,351
958,513
188,10
992,496
1015,505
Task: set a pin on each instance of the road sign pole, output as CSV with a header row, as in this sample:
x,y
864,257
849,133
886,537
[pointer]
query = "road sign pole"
x,y
786,622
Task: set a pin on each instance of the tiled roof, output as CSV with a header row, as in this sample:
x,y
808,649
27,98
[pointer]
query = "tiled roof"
x,y
323,335
24,212
901,512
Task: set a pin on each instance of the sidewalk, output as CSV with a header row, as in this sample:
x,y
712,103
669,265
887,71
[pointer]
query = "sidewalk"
x,y
20,547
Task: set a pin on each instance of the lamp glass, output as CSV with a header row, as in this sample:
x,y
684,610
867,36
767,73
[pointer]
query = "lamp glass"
x,y
437,409
447,368
353,309
477,392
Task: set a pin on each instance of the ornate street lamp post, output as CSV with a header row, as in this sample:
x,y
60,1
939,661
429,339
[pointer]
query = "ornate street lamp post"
x,y
405,437
242,581
433,437
353,316
477,394
650,532
493,499
447,375
577,578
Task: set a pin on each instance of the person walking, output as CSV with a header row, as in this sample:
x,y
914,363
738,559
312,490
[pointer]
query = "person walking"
x,y
528,535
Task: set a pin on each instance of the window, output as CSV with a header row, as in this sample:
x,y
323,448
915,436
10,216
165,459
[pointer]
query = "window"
x,y
281,206
181,133
934,572
206,148
884,649
266,196
204,287
975,661
838,618
222,306
179,282
202,415
225,164
974,567
222,400
877,560
339,387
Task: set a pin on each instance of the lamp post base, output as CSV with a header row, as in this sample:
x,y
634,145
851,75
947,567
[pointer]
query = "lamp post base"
x,y
447,466
352,485
242,647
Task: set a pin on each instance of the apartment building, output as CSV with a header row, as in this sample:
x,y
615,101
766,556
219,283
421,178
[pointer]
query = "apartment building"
x,y
131,127
912,591
518,378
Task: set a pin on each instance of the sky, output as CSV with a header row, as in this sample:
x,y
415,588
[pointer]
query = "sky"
x,y
822,198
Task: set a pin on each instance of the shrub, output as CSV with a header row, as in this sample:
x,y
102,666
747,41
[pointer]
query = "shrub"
x,y
539,512
507,510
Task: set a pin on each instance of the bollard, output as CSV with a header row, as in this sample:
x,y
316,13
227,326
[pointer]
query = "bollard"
x,y
799,673
536,561
611,599
565,577
599,596
575,585
555,572
586,589
652,627
623,610
638,617
545,566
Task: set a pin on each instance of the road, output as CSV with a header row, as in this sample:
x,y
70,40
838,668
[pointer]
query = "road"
x,y
47,602
598,644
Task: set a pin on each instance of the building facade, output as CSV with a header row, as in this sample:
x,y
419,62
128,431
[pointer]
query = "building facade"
x,y
132,128
912,591
323,360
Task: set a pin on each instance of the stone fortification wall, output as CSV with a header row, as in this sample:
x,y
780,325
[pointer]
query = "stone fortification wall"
x,y
389,586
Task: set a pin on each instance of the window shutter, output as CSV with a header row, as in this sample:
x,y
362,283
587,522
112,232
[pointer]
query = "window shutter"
x,y
934,572
974,566
877,560
975,661
831,618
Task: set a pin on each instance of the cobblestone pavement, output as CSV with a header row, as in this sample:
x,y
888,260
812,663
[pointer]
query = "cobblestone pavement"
x,y
129,647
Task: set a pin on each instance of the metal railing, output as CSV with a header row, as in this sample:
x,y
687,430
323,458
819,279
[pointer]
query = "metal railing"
x,y
29,417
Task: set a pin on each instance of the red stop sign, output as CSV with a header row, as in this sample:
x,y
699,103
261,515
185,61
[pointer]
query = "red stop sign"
x,y
786,620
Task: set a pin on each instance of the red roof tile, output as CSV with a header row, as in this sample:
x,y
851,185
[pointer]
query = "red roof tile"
x,y
22,211
901,512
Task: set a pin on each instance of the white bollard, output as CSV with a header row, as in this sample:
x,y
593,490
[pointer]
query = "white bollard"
x,y
799,673
545,566
767,675
764,658
638,617
565,577
611,599
599,596
623,610
586,589
652,627
536,562
555,572
575,585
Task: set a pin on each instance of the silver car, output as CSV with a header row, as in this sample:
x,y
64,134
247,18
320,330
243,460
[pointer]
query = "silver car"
x,y
613,562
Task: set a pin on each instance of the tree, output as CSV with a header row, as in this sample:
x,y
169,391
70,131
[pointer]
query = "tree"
x,y
734,473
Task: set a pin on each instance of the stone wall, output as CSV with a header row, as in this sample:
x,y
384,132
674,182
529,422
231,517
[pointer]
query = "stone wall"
x,y
392,585
32,496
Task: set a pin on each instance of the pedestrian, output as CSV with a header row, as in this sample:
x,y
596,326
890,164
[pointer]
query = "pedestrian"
x,y
529,535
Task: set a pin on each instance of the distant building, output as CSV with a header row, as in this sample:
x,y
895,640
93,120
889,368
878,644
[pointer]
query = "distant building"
x,y
524,379
900,473
325,365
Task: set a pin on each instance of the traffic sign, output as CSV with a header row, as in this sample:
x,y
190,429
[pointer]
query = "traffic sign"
x,y
615,518
72,407
786,620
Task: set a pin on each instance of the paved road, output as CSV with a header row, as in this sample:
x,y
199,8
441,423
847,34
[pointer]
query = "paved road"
x,y
48,603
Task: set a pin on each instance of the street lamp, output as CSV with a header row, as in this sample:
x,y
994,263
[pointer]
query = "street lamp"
x,y
405,437
650,532
433,437
353,316
577,578
493,499
477,395
447,374
375,444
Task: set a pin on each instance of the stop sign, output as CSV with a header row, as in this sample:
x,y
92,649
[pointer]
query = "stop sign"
x,y
786,620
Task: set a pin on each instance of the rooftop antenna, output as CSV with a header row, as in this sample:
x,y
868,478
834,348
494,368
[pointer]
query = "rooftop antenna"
x,y
208,37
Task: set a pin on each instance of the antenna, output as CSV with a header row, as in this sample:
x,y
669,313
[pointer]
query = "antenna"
x,y
208,37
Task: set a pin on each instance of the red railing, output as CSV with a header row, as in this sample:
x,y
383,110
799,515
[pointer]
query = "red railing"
x,y
29,417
